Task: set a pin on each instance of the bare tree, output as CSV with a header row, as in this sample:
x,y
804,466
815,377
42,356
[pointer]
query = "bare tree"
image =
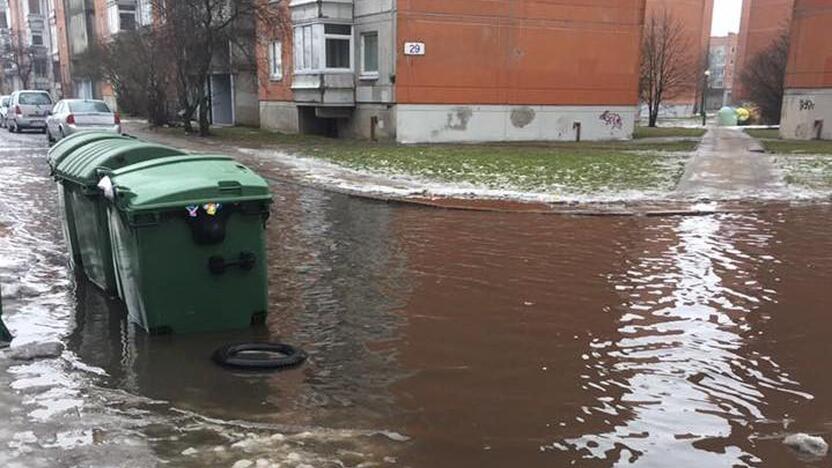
x,y
764,78
20,56
667,66
202,35
137,65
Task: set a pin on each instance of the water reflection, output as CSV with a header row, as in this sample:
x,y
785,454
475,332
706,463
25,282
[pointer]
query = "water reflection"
x,y
682,385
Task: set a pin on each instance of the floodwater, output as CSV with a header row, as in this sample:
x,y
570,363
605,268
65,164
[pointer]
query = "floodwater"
x,y
438,339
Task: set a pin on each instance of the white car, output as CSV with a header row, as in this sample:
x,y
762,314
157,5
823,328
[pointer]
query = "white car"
x,y
75,115
28,109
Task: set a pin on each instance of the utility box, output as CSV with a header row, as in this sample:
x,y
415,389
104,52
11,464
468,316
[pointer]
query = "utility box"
x,y
188,236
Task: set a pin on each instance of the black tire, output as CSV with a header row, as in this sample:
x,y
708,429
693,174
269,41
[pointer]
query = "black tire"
x,y
228,356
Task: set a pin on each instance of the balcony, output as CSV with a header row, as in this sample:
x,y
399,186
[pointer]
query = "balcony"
x,y
326,89
311,10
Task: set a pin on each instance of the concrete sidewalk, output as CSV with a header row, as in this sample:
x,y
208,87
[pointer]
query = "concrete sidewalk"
x,y
729,164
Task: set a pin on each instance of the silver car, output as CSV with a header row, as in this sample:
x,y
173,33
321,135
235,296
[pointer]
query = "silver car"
x,y
4,109
28,109
75,115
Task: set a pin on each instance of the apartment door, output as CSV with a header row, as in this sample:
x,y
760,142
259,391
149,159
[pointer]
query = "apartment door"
x,y
222,100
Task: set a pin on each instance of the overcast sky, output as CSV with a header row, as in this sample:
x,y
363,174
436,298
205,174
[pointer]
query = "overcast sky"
x,y
726,17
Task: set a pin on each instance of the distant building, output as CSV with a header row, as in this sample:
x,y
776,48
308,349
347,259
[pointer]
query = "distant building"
x,y
231,87
721,63
763,22
450,71
24,26
696,16
807,105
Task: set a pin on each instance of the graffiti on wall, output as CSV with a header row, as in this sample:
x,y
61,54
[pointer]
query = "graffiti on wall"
x,y
613,120
807,104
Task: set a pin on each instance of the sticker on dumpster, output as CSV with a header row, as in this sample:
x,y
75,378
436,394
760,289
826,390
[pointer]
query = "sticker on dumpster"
x,y
193,210
211,208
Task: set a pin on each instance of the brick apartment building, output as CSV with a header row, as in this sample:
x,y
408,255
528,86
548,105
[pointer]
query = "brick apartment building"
x,y
807,105
763,21
696,17
62,31
446,71
721,63
26,25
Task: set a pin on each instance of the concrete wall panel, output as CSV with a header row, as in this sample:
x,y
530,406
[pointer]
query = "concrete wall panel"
x,y
471,123
279,116
802,109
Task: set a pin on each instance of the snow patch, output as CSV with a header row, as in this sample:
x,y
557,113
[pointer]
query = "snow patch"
x,y
807,444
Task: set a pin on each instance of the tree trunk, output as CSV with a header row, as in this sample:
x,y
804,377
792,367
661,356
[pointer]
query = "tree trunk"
x,y
204,125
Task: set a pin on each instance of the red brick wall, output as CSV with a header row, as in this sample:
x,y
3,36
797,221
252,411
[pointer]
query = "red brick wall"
x,y
268,30
810,57
63,49
762,22
696,15
544,52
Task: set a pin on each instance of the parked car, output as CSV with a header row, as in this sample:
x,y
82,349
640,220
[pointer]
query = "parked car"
x,y
4,109
28,109
74,115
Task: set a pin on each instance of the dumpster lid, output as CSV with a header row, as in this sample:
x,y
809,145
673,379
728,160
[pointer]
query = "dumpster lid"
x,y
109,154
182,181
69,144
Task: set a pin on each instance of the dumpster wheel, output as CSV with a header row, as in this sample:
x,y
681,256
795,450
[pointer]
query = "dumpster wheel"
x,y
277,356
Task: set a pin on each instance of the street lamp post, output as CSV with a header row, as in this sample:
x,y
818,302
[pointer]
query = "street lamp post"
x,y
704,93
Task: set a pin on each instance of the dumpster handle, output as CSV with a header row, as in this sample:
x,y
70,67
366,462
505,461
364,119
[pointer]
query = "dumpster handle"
x,y
218,265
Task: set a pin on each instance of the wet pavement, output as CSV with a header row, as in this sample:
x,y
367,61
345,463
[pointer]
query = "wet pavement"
x,y
730,164
437,338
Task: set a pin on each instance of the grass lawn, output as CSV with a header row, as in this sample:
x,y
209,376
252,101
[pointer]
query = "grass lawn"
x,y
770,138
763,133
805,163
585,167
664,132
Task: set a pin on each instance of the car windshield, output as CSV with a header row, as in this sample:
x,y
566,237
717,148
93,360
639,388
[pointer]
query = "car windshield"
x,y
34,99
88,106
5,101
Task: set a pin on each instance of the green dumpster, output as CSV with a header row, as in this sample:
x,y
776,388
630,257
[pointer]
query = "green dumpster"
x,y
59,152
188,240
86,210
5,335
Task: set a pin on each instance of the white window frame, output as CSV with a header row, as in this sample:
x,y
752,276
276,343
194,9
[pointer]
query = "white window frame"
x,y
114,15
309,48
369,74
276,60
144,12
